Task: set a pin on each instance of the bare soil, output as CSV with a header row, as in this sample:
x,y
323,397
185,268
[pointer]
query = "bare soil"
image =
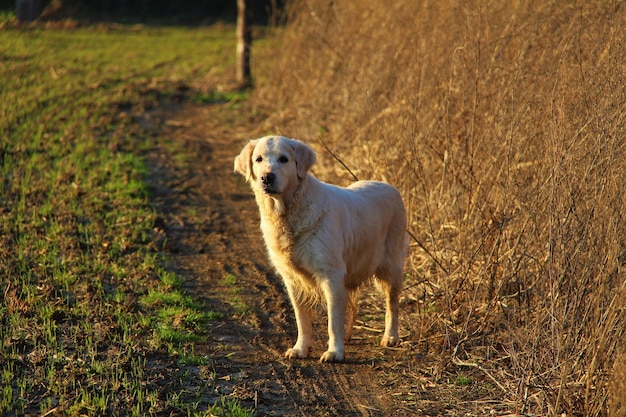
x,y
208,227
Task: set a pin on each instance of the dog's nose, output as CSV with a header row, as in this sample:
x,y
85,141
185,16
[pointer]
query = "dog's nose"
x,y
268,179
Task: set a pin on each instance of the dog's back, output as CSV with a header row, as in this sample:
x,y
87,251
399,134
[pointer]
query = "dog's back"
x,y
373,229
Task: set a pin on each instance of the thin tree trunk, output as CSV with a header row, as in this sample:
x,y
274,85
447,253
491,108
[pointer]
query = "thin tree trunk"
x,y
25,10
244,42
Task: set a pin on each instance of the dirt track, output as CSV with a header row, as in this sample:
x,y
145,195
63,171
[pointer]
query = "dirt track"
x,y
208,225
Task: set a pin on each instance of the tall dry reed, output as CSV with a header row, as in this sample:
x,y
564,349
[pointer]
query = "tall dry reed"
x,y
504,126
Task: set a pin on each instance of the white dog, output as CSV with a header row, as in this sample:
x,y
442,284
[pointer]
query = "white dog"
x,y
325,241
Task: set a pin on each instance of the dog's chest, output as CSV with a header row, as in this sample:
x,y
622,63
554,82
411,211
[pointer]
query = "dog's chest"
x,y
291,251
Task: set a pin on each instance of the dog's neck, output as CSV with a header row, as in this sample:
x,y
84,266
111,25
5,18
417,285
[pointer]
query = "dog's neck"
x,y
280,206
285,211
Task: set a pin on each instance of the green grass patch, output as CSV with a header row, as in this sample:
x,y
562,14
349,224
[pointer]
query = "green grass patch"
x,y
193,360
86,302
217,97
232,297
463,380
230,408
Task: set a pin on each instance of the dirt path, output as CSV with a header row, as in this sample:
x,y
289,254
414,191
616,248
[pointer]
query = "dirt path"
x,y
209,226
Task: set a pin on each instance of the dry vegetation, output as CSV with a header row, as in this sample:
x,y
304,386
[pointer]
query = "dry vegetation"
x,y
503,124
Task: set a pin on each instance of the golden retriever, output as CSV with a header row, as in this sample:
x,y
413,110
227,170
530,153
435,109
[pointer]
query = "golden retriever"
x,y
324,240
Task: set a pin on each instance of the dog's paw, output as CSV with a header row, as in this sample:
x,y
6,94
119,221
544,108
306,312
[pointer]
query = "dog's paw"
x,y
329,356
389,341
294,353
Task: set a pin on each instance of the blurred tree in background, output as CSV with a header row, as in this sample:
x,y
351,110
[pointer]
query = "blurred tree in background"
x,y
185,10
245,19
26,10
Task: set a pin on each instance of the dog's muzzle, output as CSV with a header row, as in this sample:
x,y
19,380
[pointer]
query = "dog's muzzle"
x,y
268,183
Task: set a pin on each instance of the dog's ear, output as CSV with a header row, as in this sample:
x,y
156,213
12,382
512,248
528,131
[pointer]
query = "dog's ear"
x,y
243,161
305,157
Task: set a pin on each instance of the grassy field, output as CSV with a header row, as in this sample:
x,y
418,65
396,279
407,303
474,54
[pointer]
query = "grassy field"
x,y
87,308
502,125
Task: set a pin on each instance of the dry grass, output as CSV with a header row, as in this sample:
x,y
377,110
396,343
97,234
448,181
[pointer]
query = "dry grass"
x,y
503,124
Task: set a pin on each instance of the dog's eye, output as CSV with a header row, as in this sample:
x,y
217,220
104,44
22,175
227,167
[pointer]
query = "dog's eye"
x,y
259,159
283,159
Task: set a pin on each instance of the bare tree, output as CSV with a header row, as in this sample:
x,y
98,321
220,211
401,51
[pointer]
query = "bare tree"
x,y
244,42
25,10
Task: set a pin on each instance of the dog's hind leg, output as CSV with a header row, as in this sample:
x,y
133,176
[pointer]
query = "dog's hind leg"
x,y
353,307
391,286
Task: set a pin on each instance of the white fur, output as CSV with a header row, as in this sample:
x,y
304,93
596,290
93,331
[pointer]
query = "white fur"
x,y
325,241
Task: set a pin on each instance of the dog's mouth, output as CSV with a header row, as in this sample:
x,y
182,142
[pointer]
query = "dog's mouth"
x,y
268,184
269,190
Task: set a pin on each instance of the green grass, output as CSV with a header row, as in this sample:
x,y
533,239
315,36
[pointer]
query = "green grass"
x,y
233,298
230,408
220,97
463,380
86,302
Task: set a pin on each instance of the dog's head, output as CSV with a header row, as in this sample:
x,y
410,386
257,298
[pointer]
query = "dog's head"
x,y
274,164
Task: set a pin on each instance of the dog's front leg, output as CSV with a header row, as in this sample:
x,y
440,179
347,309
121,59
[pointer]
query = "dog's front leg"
x,y
302,309
336,301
